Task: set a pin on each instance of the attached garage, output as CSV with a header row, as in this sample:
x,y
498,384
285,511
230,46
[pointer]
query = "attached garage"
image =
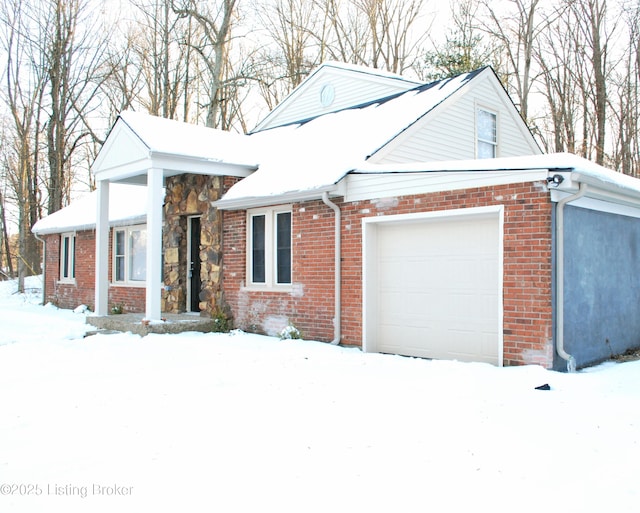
x,y
433,284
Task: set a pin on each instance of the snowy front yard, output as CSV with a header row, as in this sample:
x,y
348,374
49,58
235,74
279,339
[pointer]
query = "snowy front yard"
x,y
226,423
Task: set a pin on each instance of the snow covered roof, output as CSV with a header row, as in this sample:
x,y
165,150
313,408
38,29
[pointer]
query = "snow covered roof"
x,y
171,137
581,169
349,84
127,205
364,69
317,153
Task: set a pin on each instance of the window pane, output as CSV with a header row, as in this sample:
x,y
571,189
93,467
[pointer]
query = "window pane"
x,y
258,249
487,135
119,243
119,256
72,256
486,150
138,255
65,257
486,126
283,247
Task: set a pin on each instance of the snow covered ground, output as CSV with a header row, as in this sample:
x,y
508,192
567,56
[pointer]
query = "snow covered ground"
x,y
245,423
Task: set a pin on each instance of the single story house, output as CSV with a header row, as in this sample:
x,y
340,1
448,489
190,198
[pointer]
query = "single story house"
x,y
366,209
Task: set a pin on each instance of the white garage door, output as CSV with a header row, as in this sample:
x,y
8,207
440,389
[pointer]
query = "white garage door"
x,y
434,287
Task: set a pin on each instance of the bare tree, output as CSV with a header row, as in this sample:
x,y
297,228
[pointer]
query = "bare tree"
x,y
215,22
6,262
591,18
384,34
516,31
157,47
394,42
626,111
123,84
74,58
292,25
24,88
556,55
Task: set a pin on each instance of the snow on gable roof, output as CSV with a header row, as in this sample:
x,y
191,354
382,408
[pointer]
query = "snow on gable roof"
x,y
366,70
317,153
127,205
349,84
167,136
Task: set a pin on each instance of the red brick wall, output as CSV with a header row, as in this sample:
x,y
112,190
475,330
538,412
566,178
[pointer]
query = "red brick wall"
x,y
527,267
70,295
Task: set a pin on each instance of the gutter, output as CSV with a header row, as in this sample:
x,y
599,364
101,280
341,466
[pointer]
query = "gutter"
x,y
247,202
338,269
44,268
571,361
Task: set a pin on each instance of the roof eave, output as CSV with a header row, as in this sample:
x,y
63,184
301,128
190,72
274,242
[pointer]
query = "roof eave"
x,y
248,202
90,226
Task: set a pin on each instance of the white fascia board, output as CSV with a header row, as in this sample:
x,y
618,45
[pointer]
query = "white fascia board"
x,y
248,202
128,170
173,165
129,221
426,182
601,195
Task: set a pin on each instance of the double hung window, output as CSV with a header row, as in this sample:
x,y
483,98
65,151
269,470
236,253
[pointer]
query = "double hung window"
x,y
68,257
130,254
269,243
487,134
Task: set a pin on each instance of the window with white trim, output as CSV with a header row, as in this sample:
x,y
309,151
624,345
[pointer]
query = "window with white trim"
x,y
130,254
68,257
269,247
487,134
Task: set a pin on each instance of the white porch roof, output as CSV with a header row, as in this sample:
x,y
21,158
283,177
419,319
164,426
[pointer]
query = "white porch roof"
x,y
139,142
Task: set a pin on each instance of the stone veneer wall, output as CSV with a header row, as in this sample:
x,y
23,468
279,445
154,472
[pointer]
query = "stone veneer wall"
x,y
191,195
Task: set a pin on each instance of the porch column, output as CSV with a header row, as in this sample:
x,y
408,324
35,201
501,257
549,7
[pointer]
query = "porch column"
x,y
154,243
102,249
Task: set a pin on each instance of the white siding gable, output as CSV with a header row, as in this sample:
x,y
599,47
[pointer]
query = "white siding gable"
x,y
122,147
333,87
448,131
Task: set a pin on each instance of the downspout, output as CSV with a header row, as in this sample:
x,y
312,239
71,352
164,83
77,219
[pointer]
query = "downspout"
x,y
44,268
571,361
338,269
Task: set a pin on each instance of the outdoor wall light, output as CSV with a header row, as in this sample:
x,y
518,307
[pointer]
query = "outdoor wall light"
x,y
555,180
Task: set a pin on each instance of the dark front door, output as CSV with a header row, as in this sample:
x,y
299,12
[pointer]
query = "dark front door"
x,y
194,264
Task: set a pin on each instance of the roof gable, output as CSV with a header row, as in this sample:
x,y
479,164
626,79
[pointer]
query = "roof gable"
x,y
122,147
141,141
319,152
331,87
447,131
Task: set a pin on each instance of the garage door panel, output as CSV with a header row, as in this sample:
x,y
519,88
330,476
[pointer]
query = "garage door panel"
x,y
437,288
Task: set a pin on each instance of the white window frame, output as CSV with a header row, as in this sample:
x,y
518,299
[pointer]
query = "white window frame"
x,y
126,256
68,260
270,248
479,140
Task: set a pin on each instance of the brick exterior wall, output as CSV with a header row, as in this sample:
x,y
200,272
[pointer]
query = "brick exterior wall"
x,y
527,267
82,292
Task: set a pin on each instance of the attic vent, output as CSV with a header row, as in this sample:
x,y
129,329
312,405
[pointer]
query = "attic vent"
x,y
327,95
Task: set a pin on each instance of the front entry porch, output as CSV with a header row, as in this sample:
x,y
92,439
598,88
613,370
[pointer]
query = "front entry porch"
x,y
170,323
190,161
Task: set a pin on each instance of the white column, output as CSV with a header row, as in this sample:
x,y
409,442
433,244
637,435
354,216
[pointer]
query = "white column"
x,y
154,243
102,249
